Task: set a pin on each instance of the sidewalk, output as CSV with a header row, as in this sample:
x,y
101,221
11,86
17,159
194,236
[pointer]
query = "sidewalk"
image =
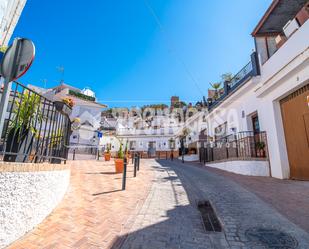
x,y
94,211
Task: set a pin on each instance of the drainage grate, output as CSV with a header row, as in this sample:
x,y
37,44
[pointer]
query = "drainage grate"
x,y
271,238
210,219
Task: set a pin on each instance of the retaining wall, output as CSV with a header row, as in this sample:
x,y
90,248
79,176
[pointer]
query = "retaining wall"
x,y
28,193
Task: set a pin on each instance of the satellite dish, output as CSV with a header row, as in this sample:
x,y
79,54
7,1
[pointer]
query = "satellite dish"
x,y
17,59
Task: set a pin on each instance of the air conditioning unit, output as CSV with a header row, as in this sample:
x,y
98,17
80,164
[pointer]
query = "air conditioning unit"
x,y
290,27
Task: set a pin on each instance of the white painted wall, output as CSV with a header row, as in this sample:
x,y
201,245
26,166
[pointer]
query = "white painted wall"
x,y
10,11
190,158
286,71
162,143
26,198
250,168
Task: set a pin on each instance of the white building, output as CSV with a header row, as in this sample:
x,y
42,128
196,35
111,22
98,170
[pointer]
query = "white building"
x,y
154,135
10,11
85,109
266,102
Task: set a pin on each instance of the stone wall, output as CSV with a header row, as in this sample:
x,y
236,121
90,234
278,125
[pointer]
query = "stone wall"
x,y
28,193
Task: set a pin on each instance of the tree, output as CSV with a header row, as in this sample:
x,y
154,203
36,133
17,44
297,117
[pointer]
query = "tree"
x,y
216,87
227,77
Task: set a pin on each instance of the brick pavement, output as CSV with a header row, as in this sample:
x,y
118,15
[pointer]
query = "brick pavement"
x,y
94,211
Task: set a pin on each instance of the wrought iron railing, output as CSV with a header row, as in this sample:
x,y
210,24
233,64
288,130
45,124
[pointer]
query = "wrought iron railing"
x,y
35,130
243,145
243,73
248,71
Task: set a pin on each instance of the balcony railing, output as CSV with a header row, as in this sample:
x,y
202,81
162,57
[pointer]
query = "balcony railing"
x,y
243,145
248,71
34,129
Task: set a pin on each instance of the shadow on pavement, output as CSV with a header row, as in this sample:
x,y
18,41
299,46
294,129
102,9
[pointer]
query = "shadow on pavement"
x,y
180,226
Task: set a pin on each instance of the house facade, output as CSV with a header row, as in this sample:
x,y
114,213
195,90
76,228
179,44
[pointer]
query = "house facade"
x,y
259,125
10,11
85,116
150,131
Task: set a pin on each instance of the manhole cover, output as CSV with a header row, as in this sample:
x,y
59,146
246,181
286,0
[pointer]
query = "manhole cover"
x,y
271,238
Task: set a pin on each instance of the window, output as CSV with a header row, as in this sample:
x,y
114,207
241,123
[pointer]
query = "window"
x,y
220,131
132,145
266,47
255,124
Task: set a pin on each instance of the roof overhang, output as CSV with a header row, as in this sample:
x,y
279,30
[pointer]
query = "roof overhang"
x,y
277,15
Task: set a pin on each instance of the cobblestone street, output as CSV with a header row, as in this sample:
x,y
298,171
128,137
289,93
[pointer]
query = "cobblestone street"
x,y
169,218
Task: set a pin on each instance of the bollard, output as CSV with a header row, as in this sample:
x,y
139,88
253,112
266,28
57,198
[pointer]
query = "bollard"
x,y
124,177
98,154
138,161
73,154
204,155
135,166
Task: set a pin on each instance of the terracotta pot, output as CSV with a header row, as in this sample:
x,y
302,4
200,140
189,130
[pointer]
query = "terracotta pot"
x,y
107,156
118,165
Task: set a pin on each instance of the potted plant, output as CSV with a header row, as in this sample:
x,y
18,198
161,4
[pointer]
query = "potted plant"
x,y
65,106
260,147
107,153
119,160
21,129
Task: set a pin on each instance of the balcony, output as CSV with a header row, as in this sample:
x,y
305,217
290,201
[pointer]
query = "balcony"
x,y
241,146
242,77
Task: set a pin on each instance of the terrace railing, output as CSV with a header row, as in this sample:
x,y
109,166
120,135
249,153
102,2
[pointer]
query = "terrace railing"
x,y
247,72
34,130
243,145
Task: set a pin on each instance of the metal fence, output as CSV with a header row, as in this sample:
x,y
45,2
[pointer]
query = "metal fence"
x,y
249,70
35,130
85,152
243,145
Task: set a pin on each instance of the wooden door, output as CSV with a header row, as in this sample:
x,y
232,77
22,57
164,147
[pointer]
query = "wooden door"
x,y
295,115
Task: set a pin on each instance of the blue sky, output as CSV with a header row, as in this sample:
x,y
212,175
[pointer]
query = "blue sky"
x,y
135,52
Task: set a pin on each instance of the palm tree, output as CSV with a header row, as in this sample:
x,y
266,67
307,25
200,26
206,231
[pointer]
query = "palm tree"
x,y
216,87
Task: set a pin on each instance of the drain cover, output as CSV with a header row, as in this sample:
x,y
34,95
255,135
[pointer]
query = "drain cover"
x,y
210,219
271,238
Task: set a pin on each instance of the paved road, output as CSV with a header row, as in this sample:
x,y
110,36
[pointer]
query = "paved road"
x,y
169,217
289,197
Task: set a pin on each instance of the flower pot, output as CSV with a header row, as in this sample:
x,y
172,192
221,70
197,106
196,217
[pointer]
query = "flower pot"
x,y
107,156
118,165
63,108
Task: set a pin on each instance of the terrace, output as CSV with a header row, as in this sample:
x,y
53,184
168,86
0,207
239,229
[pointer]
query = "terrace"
x,y
242,77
